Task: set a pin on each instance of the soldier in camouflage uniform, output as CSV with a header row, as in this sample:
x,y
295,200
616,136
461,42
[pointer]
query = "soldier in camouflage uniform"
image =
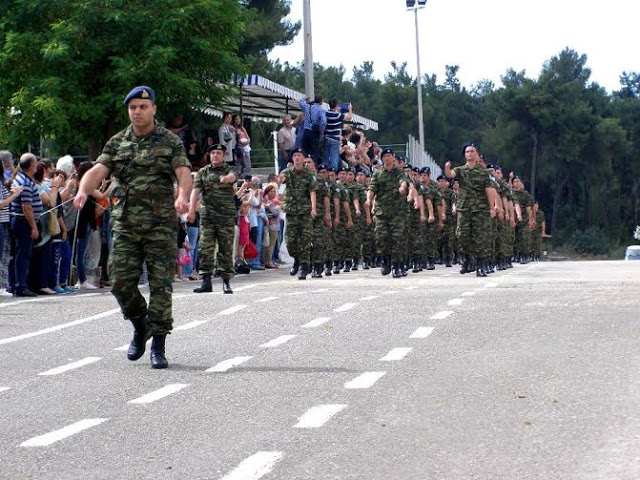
x,y
539,231
418,221
432,198
218,216
342,236
334,208
356,194
322,223
146,160
368,244
495,240
474,210
389,188
526,225
300,207
447,234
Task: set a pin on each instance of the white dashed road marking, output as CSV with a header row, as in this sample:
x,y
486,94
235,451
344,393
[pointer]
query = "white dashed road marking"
x,y
366,380
232,310
411,288
62,326
316,323
317,416
422,332
441,315
194,324
4,389
370,297
397,353
160,393
278,341
345,307
71,366
468,294
254,467
53,437
268,299
455,301
228,364
491,285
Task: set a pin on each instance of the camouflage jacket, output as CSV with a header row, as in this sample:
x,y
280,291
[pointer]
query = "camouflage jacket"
x,y
144,168
472,196
385,184
300,184
217,198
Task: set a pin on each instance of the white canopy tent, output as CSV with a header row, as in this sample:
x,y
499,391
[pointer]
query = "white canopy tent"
x,y
263,100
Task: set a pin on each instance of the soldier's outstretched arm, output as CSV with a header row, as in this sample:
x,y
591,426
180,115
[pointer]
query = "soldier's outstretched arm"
x,y
448,172
90,182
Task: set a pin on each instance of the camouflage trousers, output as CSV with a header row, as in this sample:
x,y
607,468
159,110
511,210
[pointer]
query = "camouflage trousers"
x,y
446,240
501,239
389,231
217,230
493,239
536,248
368,242
342,238
431,233
523,239
299,233
418,249
357,233
406,238
509,239
474,233
319,240
328,243
156,246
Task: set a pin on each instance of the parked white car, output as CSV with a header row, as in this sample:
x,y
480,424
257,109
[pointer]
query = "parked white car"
x,y
632,253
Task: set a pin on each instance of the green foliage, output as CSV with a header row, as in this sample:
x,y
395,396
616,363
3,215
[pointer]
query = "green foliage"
x,y
67,65
593,240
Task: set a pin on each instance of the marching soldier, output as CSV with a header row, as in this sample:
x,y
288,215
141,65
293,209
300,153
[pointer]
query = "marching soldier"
x,y
218,216
146,160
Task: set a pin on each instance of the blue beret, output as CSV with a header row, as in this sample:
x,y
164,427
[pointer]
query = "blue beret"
x,y
140,92
441,177
426,170
297,150
322,166
387,151
216,146
469,144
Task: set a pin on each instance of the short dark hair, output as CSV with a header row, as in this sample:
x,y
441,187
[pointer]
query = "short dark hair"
x,y
318,99
39,175
333,103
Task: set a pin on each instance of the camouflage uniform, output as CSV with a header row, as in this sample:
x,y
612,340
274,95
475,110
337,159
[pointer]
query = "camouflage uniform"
x,y
390,212
342,238
496,224
432,229
334,193
357,193
319,239
537,234
447,234
144,221
417,229
218,215
523,232
474,220
297,206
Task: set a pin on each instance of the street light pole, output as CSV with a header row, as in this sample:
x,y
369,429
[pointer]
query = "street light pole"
x,y
308,50
420,113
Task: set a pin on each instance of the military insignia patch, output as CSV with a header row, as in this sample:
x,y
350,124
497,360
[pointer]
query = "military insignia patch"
x,y
144,94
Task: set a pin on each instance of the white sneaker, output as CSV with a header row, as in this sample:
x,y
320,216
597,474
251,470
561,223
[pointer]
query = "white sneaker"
x,y
90,286
4,293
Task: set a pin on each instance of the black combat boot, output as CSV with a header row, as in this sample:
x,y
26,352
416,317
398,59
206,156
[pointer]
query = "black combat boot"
x,y
447,262
336,266
466,261
415,265
304,271
488,267
327,268
347,266
509,264
354,267
397,271
430,265
365,263
386,265
480,268
226,287
317,271
158,359
139,340
296,266
206,284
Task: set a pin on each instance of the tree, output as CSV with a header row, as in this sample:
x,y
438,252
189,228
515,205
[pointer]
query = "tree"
x,y
66,65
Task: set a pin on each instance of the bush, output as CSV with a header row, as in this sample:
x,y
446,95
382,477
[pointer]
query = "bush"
x,y
593,240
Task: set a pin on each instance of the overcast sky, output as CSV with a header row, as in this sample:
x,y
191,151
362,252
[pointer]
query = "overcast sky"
x,y
483,37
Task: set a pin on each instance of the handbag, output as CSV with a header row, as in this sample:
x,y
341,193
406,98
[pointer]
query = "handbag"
x,y
250,251
184,257
53,226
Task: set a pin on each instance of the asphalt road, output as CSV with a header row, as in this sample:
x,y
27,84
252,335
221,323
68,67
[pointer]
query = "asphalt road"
x,y
528,374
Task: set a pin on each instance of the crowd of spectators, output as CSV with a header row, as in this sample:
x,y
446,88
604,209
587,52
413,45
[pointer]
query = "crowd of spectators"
x,y
47,247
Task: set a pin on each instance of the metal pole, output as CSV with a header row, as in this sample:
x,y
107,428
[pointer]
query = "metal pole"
x,y
275,151
420,115
308,50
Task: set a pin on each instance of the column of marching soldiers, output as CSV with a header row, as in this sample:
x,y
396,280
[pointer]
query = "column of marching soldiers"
x,y
400,219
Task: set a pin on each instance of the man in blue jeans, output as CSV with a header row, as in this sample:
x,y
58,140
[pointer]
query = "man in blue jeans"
x,y
333,131
315,122
26,209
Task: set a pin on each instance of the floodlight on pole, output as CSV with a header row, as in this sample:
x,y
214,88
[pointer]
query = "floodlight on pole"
x,y
308,50
411,5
